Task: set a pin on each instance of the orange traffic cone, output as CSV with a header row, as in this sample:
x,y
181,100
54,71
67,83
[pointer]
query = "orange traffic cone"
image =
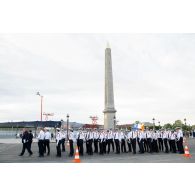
x,y
76,157
187,152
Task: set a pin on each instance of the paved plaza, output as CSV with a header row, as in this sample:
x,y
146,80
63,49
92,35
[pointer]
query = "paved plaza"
x,y
9,150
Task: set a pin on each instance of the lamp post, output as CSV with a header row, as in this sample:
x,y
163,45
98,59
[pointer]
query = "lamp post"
x,y
41,104
67,124
153,123
185,123
114,122
159,124
62,122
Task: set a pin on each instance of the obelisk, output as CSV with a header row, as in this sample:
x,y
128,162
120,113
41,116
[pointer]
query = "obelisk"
x,y
109,110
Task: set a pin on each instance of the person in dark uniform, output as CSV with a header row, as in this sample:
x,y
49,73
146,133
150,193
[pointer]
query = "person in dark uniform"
x,y
81,138
180,140
117,142
71,139
63,140
123,144
129,141
58,143
41,138
96,137
165,140
47,141
101,138
30,139
25,142
133,140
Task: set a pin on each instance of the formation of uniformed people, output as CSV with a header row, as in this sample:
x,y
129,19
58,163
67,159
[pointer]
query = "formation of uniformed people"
x,y
118,141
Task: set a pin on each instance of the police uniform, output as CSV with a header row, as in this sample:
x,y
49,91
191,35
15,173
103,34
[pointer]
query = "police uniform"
x,y
101,139
104,142
96,137
58,143
25,140
133,140
145,143
154,142
172,141
165,140
122,139
160,141
47,141
41,138
141,141
117,143
63,134
110,141
129,141
81,138
71,140
180,141
149,140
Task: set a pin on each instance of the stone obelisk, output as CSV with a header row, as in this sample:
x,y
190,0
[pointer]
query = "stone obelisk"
x,y
109,110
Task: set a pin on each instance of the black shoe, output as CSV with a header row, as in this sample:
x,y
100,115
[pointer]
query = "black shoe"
x,y
31,154
20,155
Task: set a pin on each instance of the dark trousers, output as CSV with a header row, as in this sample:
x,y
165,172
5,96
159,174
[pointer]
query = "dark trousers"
x,y
90,148
58,148
166,145
112,143
80,146
154,145
24,147
41,147
101,147
63,145
129,145
149,142
87,146
123,145
30,144
96,145
71,147
145,145
47,146
173,146
160,144
104,146
133,142
117,146
170,146
141,147
180,145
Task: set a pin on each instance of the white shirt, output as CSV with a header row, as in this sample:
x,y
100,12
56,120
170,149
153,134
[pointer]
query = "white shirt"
x,y
48,135
140,135
122,135
81,136
96,135
63,134
58,136
89,135
179,134
154,136
133,134
41,135
116,135
144,134
110,135
71,136
101,137
165,135
148,134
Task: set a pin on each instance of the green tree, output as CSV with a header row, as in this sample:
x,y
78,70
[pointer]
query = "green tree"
x,y
168,125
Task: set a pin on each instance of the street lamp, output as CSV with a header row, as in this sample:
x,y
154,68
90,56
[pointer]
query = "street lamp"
x,y
67,124
153,123
114,121
41,104
185,121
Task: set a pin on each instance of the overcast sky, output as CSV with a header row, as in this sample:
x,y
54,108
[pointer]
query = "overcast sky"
x,y
154,76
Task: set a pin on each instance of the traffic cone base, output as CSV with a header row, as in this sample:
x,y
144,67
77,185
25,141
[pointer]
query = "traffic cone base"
x,y
76,158
187,153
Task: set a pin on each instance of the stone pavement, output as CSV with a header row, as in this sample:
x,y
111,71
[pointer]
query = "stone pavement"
x,y
10,149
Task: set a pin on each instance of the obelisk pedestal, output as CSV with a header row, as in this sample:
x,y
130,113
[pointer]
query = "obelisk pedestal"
x,y
109,111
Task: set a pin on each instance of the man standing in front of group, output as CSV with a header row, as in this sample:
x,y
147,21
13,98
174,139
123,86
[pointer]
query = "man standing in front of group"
x,y
180,140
